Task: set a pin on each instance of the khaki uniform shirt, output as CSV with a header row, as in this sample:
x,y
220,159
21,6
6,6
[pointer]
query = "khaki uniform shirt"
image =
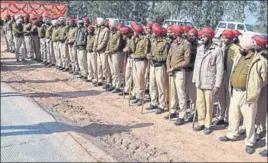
x,y
159,50
72,34
48,33
90,42
239,78
142,47
55,34
179,50
114,42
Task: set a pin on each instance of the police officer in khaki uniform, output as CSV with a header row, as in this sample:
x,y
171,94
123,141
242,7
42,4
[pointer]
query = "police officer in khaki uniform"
x,y
190,86
19,39
72,49
142,48
35,40
208,73
178,59
127,33
248,77
80,43
43,46
28,38
9,25
49,44
157,59
230,51
91,57
262,112
54,39
63,31
113,54
100,43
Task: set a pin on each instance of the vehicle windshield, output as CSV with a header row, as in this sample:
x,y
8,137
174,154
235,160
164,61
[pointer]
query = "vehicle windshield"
x,y
249,27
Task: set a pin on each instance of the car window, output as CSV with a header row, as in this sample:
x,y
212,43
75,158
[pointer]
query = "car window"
x,y
249,27
222,25
231,26
240,26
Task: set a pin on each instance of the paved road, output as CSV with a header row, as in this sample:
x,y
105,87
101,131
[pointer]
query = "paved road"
x,y
28,133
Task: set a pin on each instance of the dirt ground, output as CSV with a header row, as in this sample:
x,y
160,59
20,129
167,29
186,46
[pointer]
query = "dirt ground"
x,y
120,130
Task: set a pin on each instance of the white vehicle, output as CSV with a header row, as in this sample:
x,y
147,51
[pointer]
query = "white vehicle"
x,y
245,29
118,21
178,22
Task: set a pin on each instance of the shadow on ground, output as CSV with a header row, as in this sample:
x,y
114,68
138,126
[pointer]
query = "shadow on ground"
x,y
93,129
73,94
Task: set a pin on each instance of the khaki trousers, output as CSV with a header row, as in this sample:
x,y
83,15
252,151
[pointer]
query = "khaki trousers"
x,y
178,93
239,105
64,55
128,75
224,99
190,90
139,68
29,47
262,111
92,66
10,40
204,106
43,49
73,58
57,53
114,64
51,53
103,68
6,40
36,47
82,61
19,45
157,86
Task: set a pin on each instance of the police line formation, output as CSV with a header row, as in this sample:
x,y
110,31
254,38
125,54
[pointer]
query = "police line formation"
x,y
176,65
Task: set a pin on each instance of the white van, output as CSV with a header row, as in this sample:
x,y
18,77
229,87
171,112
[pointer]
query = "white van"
x,y
245,29
178,22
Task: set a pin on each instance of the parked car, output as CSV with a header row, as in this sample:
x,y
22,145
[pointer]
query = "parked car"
x,y
245,29
178,22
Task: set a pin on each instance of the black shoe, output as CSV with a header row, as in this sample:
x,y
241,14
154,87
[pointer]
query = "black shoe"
x,y
110,89
135,101
242,132
17,60
46,63
250,150
159,111
105,86
66,69
116,90
139,103
43,62
172,115
75,73
207,131
199,128
88,80
151,107
263,153
218,122
225,139
191,118
121,93
179,122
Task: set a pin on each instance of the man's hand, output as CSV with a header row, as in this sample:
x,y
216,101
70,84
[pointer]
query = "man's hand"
x,y
149,56
215,90
133,56
125,50
170,73
170,70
